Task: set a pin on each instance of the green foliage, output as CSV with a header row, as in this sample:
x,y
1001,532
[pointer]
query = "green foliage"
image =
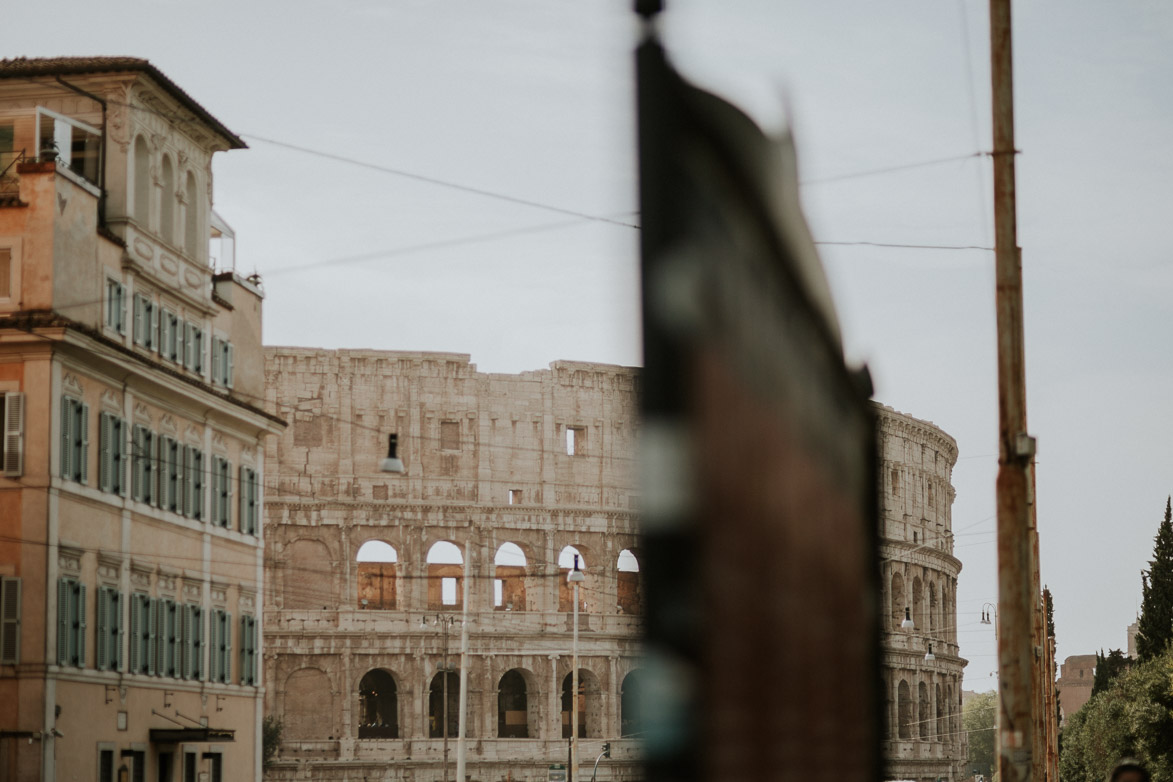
x,y
1132,717
978,717
1108,667
1050,612
271,730
1156,608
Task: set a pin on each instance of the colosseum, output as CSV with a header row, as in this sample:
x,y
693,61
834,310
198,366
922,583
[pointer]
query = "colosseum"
x,y
507,478
922,668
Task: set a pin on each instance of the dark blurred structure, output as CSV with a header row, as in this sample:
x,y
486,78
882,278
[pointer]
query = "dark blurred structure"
x,y
759,486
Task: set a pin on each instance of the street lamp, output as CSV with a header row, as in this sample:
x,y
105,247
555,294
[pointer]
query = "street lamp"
x,y
907,623
392,463
445,623
986,609
574,577
929,656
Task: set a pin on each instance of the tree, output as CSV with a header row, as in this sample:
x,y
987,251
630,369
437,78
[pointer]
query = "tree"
x,y
1108,667
271,730
1155,626
978,717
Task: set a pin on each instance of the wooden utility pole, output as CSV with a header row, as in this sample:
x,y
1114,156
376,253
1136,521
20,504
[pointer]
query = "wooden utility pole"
x,y
1016,595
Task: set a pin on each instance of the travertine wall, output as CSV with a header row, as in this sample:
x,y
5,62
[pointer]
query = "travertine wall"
x,y
487,464
919,573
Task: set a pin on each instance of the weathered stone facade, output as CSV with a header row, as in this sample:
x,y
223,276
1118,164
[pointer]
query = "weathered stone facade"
x,y
1077,674
354,651
925,740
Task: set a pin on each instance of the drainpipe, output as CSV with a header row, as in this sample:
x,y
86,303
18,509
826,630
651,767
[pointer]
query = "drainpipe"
x,y
101,155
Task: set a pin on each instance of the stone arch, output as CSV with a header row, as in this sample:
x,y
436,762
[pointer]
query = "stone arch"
x,y
630,705
305,697
509,577
898,603
923,716
445,576
436,712
628,583
377,562
167,202
941,729
918,604
378,706
590,705
141,182
309,576
904,709
933,607
191,216
518,705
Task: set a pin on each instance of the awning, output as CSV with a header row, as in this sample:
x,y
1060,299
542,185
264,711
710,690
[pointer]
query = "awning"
x,y
190,735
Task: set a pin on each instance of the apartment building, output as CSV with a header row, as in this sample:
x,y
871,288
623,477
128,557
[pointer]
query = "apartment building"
x,y
131,556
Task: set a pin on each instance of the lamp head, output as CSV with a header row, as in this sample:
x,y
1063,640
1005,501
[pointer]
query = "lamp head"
x,y
575,576
907,623
929,656
392,463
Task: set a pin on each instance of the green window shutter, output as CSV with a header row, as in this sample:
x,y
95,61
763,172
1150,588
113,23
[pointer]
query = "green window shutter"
x,y
165,335
229,372
136,629
66,435
105,454
153,327
83,442
180,479
228,494
80,627
116,634
136,463
214,643
138,320
120,456
14,433
199,667
9,621
227,646
188,644
101,641
152,624
63,599
216,371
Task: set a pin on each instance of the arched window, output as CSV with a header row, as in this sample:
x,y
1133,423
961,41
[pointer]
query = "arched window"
x,y
378,706
305,698
590,712
376,576
513,706
630,712
932,606
898,601
941,729
565,588
509,578
444,704
142,182
904,709
309,577
924,715
629,595
918,604
445,576
191,214
167,202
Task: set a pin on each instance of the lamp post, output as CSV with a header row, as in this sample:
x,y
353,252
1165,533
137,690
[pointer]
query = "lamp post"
x,y
575,577
986,609
444,622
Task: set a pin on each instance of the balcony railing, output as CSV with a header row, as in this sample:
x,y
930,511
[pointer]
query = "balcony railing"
x,y
9,179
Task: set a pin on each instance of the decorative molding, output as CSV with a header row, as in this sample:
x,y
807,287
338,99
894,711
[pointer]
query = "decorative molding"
x,y
140,576
169,264
143,249
69,560
219,593
71,384
192,278
247,602
141,414
193,590
110,401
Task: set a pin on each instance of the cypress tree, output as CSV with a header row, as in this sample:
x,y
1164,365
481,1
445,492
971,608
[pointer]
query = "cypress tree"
x,y
1155,626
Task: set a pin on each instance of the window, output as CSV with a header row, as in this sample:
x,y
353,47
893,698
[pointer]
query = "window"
x,y
221,492
221,643
222,361
248,501
106,765
71,622
116,306
171,475
76,144
193,487
248,650
169,626
191,767
515,496
12,415
143,629
215,766
75,420
170,336
449,435
143,460
448,591
575,440
193,347
108,638
112,454
193,642
146,322
9,621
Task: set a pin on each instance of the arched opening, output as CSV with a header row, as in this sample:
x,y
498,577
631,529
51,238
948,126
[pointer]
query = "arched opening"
x,y
445,688
629,595
167,202
904,709
565,588
509,578
142,182
513,706
924,715
588,704
918,604
309,579
376,576
932,606
630,712
305,698
941,730
191,213
898,602
378,706
445,576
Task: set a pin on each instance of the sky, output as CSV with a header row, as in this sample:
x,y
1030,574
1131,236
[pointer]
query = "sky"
x,y
488,203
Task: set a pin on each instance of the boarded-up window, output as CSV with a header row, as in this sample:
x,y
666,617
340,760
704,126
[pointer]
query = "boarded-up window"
x,y
309,583
450,435
307,698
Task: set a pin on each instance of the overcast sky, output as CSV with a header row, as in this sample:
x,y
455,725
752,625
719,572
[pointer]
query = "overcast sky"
x,y
532,99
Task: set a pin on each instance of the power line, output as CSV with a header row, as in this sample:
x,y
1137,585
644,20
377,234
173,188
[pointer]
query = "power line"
x,y
913,246
892,169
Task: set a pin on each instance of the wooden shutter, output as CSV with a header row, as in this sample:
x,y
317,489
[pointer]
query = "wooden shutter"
x,y
63,600
138,320
14,433
83,442
79,626
226,642
9,621
66,436
136,629
229,374
102,637
105,457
